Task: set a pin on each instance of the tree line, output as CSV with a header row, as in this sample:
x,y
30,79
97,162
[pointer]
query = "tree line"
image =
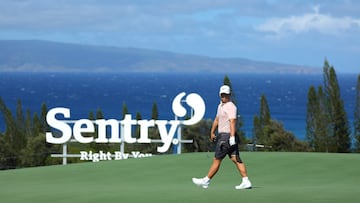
x,y
327,125
23,144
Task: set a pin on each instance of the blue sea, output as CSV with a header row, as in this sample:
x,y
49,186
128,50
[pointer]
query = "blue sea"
x,y
84,92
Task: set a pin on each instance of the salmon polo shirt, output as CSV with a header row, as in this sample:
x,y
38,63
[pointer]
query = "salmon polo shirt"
x,y
225,112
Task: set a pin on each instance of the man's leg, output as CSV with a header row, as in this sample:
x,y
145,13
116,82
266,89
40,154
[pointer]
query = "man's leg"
x,y
239,165
214,168
245,184
204,182
220,152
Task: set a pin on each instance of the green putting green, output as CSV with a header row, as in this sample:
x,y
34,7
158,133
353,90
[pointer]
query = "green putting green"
x,y
276,177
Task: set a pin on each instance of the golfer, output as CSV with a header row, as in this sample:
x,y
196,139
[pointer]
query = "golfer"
x,y
225,123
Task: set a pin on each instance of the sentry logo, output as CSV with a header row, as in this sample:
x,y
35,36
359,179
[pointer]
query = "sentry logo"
x,y
121,130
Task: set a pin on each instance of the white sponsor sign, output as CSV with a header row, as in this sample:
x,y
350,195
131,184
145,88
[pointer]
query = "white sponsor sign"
x,y
121,130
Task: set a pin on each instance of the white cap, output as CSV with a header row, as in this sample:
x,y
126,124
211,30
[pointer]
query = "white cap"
x,y
225,89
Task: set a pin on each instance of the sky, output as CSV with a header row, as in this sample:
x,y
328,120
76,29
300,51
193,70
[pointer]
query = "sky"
x,y
286,31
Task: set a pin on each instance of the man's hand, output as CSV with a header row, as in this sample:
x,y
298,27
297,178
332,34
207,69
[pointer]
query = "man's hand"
x,y
212,137
232,140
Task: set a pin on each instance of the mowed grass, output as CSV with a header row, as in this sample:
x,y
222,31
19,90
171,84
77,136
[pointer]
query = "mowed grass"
x,y
276,177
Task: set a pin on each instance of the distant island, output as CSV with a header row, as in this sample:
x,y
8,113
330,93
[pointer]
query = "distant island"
x,y
47,56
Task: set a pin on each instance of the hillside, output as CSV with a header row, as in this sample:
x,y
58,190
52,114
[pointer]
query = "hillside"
x,y
45,56
276,177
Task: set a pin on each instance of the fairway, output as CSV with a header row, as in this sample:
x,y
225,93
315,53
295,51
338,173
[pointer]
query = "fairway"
x,y
276,177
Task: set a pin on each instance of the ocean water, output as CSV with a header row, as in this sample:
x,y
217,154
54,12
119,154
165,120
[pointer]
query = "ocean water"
x,y
85,92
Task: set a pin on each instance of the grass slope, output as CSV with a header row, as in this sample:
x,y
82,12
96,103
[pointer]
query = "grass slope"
x,y
276,177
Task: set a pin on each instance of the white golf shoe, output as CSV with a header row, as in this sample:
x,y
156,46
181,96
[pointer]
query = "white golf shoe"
x,y
201,182
244,185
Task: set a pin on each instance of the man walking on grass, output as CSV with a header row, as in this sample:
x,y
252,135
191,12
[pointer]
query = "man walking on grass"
x,y
225,123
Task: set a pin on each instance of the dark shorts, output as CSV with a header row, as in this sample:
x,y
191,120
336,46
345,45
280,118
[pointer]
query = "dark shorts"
x,y
223,147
